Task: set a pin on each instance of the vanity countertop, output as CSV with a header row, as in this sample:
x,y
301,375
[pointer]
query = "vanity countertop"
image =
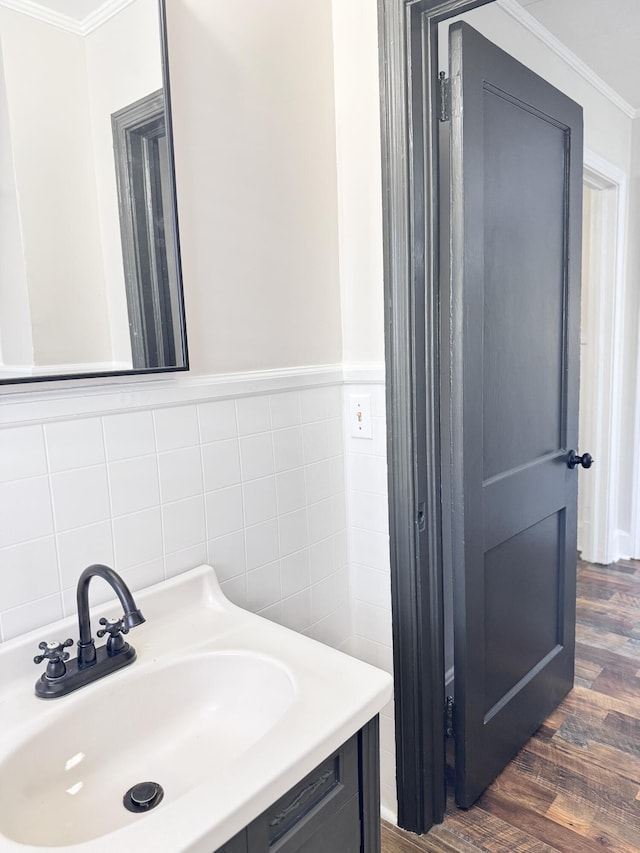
x,y
228,708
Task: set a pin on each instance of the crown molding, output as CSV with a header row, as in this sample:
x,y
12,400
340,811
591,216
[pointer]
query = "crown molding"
x,y
526,19
41,13
100,16
64,22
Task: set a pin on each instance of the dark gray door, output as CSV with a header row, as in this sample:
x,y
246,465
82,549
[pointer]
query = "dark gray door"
x,y
516,183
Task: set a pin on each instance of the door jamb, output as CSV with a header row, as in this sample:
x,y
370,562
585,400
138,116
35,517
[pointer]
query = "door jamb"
x,y
604,540
410,98
635,495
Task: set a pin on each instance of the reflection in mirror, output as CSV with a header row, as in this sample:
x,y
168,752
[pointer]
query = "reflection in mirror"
x,y
90,279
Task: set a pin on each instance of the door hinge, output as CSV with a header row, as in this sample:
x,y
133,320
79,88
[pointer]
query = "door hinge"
x,y
445,97
449,717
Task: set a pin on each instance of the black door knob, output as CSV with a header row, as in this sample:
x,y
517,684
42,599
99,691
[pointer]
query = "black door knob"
x,y
586,460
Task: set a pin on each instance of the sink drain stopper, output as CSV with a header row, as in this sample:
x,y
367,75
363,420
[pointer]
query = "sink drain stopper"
x,y
143,796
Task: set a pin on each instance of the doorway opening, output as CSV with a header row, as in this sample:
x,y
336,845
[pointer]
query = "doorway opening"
x,y
413,103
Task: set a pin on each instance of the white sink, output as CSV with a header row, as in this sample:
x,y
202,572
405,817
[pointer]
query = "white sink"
x,y
172,724
224,709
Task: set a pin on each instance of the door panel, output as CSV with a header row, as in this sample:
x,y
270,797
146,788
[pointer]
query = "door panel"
x,y
521,593
516,180
523,173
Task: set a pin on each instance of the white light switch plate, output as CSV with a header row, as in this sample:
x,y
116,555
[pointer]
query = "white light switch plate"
x,y
360,416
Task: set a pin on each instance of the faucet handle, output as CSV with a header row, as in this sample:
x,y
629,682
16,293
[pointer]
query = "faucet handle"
x,y
115,628
55,655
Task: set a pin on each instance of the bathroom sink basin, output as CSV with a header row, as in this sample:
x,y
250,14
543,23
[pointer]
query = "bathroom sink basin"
x,y
223,709
173,725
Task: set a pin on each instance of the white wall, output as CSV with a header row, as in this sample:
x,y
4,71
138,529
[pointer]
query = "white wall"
x,y
48,101
254,133
355,33
16,345
355,49
629,511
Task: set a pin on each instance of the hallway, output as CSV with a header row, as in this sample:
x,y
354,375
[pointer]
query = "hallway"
x,y
575,787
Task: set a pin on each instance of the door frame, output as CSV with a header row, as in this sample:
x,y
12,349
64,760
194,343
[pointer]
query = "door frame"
x,y
145,230
410,159
609,221
635,513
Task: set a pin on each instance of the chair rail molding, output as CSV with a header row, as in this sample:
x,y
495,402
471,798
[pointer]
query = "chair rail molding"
x,y
22,405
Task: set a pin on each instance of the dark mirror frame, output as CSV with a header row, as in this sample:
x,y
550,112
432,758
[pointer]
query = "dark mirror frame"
x,y
181,351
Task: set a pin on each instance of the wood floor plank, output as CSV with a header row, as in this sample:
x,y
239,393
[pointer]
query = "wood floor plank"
x,y
612,616
594,827
576,730
616,771
614,579
587,672
520,782
591,704
494,835
559,837
633,566
626,766
617,681
626,599
575,787
565,775
600,638
596,591
626,729
596,652
441,840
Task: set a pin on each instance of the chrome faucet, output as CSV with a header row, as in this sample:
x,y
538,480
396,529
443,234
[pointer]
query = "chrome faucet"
x,y
91,664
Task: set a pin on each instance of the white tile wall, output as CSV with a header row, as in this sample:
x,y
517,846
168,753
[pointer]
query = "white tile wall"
x,y
269,488
370,577
253,485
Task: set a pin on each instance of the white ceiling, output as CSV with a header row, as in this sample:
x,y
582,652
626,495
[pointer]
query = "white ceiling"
x,y
603,35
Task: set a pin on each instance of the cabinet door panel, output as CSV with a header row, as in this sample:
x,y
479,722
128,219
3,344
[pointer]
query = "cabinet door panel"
x,y
312,803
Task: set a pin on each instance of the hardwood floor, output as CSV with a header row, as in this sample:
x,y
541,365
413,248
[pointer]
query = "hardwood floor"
x,y
575,787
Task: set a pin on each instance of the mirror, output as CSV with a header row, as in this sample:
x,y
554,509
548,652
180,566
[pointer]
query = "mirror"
x,y
90,280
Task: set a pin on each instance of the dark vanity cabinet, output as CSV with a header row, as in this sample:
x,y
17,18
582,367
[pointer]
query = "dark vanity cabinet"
x,y
334,809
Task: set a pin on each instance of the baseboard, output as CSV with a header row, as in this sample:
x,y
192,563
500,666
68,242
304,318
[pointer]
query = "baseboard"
x,y
388,815
623,545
